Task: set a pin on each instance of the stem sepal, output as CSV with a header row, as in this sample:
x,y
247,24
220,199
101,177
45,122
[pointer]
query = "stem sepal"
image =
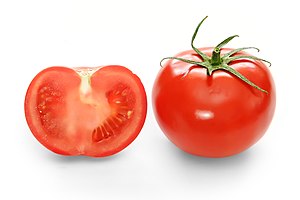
x,y
218,62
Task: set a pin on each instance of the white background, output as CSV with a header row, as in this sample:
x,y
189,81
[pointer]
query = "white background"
x,y
137,34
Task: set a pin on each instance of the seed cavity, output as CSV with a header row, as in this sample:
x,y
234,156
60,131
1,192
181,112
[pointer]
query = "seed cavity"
x,y
45,97
122,103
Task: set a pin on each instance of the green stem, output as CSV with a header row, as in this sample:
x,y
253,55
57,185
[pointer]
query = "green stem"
x,y
218,62
216,57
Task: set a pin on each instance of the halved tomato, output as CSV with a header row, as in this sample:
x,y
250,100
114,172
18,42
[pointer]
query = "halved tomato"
x,y
86,111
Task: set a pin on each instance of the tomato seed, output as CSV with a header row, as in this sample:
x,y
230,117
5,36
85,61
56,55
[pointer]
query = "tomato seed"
x,y
125,92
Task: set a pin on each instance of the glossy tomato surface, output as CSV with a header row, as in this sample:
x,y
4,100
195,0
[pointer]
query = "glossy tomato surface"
x,y
217,115
86,111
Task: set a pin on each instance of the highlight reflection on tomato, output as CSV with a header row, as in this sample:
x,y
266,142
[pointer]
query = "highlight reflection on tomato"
x,y
86,111
214,102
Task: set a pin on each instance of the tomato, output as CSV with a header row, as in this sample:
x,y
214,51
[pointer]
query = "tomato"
x,y
86,111
214,113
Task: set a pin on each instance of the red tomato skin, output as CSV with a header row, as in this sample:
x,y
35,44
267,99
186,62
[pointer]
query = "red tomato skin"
x,y
69,80
217,115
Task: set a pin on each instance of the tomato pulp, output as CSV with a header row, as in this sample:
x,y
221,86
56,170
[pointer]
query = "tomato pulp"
x,y
213,115
86,111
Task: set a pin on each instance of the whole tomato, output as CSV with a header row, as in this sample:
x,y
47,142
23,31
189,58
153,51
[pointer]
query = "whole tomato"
x,y
214,102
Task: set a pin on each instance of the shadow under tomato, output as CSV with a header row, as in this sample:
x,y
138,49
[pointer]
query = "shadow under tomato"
x,y
84,159
230,160
203,173
225,162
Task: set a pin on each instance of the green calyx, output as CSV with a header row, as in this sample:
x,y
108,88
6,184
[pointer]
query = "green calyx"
x,y
218,62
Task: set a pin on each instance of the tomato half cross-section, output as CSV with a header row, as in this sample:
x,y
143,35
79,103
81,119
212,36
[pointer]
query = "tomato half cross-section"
x,y
86,111
214,101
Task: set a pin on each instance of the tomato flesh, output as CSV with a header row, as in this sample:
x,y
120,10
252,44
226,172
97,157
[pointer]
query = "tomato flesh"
x,y
217,115
86,111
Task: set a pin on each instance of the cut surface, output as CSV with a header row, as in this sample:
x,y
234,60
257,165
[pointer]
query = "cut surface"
x,y
86,111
